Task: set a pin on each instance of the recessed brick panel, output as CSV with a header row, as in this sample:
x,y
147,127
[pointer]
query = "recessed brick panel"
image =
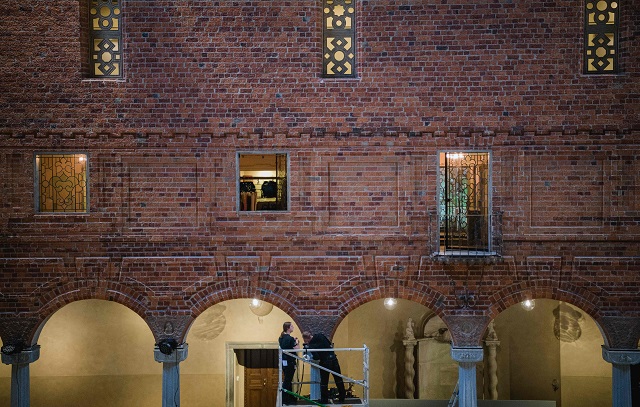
x,y
566,191
363,193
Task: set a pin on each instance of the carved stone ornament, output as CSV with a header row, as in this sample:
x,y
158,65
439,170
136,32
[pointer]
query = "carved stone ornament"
x,y
621,357
169,326
466,330
621,332
318,323
467,354
24,357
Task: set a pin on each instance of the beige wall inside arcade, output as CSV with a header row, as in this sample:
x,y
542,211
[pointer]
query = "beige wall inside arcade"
x,y
100,353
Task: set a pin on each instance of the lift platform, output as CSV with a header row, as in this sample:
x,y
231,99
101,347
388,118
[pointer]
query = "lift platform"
x,y
355,398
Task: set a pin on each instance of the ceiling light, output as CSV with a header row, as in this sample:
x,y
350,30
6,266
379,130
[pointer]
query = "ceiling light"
x,y
528,304
390,303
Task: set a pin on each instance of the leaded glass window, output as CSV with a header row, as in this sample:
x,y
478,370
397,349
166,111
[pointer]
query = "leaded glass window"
x,y
601,36
61,182
105,49
339,38
464,203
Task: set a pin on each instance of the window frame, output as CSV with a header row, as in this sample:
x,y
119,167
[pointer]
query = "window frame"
x,y
36,172
441,248
239,180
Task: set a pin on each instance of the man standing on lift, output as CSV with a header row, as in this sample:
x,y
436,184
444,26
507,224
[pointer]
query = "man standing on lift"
x,y
327,360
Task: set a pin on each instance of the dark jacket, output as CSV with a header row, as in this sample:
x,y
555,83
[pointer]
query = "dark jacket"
x,y
319,341
287,342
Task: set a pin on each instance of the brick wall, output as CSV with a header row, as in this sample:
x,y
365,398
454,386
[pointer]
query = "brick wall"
x,y
204,80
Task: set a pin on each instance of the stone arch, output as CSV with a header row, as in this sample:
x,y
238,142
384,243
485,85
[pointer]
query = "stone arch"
x,y
72,292
217,293
516,293
370,291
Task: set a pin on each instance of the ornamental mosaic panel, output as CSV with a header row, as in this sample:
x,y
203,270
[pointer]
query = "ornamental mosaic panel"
x,y
105,51
601,37
339,33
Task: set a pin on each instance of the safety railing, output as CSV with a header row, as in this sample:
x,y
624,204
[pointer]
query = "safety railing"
x,y
305,360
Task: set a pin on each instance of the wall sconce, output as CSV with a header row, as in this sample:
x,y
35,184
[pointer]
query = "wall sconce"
x,y
528,304
390,303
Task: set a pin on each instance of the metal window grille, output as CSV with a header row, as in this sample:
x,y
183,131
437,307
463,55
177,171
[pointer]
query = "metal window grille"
x,y
105,49
61,182
464,214
601,36
339,38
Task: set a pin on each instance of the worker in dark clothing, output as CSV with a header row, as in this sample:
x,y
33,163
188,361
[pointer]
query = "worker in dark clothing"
x,y
288,342
327,359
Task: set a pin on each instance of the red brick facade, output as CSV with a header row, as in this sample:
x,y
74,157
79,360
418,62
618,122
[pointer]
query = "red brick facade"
x,y
204,80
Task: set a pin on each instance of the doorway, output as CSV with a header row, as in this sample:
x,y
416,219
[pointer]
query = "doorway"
x,y
252,374
260,376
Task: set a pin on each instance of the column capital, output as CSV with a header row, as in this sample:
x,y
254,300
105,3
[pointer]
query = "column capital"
x,y
409,342
178,355
23,357
470,354
621,356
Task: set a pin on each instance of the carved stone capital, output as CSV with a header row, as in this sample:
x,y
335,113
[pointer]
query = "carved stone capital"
x,y
621,357
466,330
621,332
169,326
470,354
409,342
177,356
24,357
15,329
325,324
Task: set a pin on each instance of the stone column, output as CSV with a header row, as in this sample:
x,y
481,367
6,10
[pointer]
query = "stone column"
x,y
492,368
171,374
409,368
621,378
467,357
20,384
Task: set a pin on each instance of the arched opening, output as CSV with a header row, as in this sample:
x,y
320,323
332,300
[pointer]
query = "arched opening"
x,y
98,353
382,330
551,350
5,383
231,349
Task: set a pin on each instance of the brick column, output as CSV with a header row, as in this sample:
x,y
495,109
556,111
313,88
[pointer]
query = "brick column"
x,y
621,359
171,374
467,358
20,381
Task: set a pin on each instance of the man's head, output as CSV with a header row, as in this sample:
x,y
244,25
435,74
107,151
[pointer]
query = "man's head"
x,y
306,336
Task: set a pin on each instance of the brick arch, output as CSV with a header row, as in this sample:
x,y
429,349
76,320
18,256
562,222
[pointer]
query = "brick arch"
x,y
66,294
516,293
370,290
216,293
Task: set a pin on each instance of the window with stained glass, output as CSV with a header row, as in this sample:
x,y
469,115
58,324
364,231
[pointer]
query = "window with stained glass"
x,y
105,39
464,203
339,38
61,182
601,36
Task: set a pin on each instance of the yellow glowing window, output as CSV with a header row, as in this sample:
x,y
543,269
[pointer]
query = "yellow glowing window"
x,y
105,45
339,35
61,183
601,36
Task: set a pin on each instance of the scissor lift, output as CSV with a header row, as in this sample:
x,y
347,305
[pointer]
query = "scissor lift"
x,y
312,399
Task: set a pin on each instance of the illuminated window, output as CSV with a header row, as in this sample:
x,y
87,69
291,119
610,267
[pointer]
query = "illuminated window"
x,y
601,36
105,39
262,184
464,203
339,36
61,182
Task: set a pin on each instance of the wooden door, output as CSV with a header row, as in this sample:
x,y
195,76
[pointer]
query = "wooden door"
x,y
260,377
